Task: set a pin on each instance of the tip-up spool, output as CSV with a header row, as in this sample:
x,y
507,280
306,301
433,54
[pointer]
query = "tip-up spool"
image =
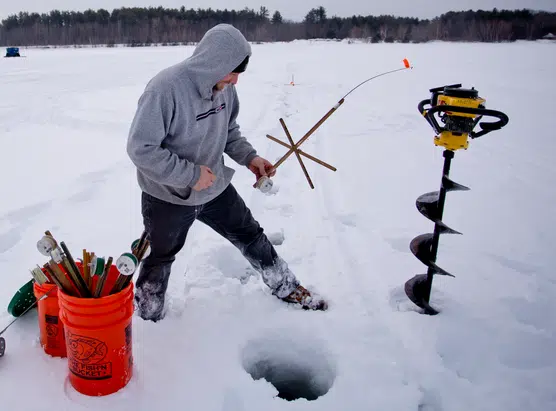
x,y
127,264
97,265
264,184
46,245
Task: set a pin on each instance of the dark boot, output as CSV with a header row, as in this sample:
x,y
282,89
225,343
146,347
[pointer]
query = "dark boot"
x,y
149,301
230,217
167,226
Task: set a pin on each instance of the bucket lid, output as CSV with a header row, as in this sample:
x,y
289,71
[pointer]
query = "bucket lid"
x,y
22,299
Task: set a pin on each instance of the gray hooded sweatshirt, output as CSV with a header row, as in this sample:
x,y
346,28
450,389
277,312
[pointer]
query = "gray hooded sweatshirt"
x,y
181,123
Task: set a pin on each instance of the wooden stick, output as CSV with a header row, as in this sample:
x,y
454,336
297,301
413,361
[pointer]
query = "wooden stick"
x,y
100,284
120,282
304,154
64,281
128,278
140,244
70,281
49,234
296,153
75,277
117,285
306,136
126,282
89,281
54,278
141,254
89,273
75,273
86,265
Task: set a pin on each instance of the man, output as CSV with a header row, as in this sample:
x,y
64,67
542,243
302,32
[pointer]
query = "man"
x,y
185,122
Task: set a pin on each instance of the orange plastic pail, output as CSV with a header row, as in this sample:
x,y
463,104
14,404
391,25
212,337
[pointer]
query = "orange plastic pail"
x,y
98,339
50,327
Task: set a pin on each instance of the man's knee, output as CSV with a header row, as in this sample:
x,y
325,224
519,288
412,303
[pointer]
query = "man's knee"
x,y
260,249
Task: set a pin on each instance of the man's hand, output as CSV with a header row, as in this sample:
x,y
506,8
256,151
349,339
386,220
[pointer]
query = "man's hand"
x,y
205,180
261,167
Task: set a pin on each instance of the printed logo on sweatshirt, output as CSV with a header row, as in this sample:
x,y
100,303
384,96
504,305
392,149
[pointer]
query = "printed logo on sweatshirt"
x,y
211,111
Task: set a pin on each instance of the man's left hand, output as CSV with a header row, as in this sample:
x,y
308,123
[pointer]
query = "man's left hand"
x,y
261,167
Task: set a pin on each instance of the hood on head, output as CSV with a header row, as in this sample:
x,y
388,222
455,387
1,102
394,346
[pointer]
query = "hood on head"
x,y
221,50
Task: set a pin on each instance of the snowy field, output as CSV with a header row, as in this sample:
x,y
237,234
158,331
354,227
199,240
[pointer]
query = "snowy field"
x,y
64,117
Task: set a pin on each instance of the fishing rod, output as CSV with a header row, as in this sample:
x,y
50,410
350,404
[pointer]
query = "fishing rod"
x,y
406,66
264,183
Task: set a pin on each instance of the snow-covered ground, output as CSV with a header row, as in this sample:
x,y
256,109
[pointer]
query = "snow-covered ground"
x,y
64,117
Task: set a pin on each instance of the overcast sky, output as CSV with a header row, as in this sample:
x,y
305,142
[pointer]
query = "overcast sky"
x,y
290,9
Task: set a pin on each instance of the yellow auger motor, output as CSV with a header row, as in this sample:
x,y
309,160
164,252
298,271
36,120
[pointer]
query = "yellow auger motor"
x,y
460,110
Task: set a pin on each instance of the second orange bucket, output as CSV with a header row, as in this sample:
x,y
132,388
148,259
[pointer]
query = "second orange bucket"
x,y
50,327
98,339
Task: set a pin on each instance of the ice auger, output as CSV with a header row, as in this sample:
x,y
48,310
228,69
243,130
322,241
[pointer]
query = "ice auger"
x,y
460,111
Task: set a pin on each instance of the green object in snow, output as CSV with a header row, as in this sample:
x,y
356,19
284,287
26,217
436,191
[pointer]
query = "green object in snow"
x,y
22,299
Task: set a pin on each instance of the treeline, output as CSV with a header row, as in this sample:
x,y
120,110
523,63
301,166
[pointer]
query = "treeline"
x,y
145,26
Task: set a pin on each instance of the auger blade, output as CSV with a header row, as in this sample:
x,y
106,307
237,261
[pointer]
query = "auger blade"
x,y
415,289
450,185
440,271
421,247
444,229
427,204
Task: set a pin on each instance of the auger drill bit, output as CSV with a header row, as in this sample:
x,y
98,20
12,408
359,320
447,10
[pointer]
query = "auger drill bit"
x,y
461,112
425,246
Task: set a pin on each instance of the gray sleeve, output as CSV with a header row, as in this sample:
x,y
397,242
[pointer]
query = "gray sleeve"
x,y
237,146
144,145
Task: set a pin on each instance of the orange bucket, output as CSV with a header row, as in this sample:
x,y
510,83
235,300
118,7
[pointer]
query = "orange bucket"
x,y
51,328
98,336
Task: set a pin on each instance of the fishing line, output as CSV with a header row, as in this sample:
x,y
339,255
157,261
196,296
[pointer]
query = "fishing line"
x,y
378,75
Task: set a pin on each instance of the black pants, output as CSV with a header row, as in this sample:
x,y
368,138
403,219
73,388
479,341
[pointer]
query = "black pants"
x,y
167,226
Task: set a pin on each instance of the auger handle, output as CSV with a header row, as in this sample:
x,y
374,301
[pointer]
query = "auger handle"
x,y
485,127
422,105
431,120
488,127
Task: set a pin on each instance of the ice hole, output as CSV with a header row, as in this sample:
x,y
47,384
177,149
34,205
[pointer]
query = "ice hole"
x,y
296,368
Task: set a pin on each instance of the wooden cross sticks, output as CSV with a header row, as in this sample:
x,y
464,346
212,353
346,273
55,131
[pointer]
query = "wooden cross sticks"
x,y
294,147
